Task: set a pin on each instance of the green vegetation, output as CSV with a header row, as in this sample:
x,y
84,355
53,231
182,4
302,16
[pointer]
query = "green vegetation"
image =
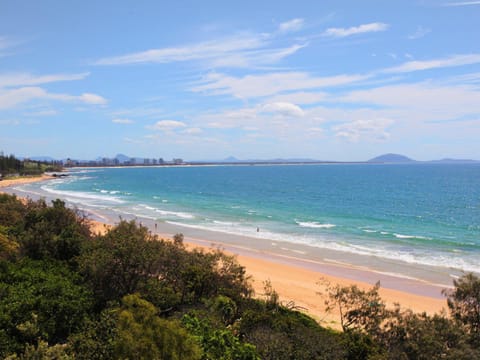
x,y
10,165
66,293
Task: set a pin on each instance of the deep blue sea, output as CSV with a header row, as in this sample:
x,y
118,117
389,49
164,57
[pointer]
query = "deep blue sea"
x,y
420,214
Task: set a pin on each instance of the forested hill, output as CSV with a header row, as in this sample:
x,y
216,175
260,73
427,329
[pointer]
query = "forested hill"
x,y
10,165
66,293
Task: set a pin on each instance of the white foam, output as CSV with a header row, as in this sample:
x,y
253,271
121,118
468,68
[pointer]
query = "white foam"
x,y
315,224
182,215
81,195
294,251
179,214
224,223
396,254
401,236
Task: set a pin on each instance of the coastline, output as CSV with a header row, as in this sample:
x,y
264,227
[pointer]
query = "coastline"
x,y
294,278
299,285
24,180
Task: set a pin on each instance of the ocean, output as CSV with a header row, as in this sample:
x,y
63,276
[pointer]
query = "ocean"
x,y
401,216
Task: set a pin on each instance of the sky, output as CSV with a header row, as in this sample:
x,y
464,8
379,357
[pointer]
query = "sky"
x,y
205,80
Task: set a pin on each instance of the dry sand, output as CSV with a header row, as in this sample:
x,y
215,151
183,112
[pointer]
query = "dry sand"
x,y
295,285
24,180
305,288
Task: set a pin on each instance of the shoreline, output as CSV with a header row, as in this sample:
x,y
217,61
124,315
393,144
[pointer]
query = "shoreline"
x,y
294,278
24,180
297,284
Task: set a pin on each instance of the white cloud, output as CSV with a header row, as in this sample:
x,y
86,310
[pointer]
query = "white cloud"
x,y
301,97
199,51
315,132
436,98
364,28
467,78
94,99
26,79
419,33
147,112
13,97
282,108
240,50
252,86
6,43
192,131
122,121
455,60
255,58
463,3
49,112
228,119
18,88
364,129
291,26
167,125
10,122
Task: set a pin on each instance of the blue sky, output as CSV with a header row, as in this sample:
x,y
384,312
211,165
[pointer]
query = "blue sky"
x,y
331,80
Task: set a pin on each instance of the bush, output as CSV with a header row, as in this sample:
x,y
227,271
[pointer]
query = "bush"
x,y
464,304
39,300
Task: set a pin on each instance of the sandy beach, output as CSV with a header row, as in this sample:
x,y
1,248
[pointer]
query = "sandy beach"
x,y
23,180
297,281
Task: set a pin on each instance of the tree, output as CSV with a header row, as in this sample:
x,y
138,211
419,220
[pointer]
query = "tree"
x,y
142,334
464,304
358,309
116,263
218,343
419,336
39,300
8,247
96,338
53,232
43,352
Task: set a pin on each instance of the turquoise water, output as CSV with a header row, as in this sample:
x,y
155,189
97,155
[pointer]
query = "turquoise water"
x,y
420,214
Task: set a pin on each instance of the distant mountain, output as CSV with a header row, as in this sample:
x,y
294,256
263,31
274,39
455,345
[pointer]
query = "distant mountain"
x,y
122,158
230,159
391,158
42,158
